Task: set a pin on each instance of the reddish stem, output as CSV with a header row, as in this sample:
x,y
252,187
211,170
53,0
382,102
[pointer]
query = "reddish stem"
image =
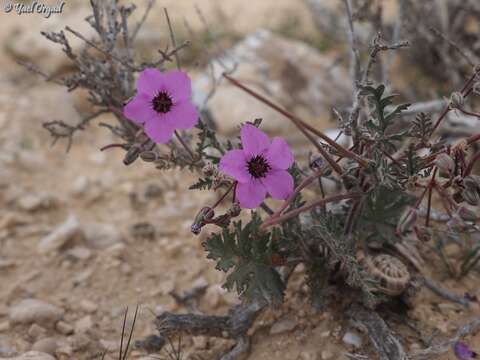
x,y
302,126
296,212
224,195
471,163
307,181
111,146
429,203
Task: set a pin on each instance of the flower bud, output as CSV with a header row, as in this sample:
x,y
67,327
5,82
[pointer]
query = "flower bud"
x,y
456,100
234,210
472,182
131,155
407,220
466,214
148,156
471,196
445,163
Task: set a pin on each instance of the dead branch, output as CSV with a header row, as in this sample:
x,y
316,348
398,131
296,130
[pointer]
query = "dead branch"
x,y
438,349
442,292
385,343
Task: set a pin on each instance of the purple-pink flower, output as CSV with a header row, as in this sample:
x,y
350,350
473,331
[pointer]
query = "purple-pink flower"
x,y
162,104
463,352
259,167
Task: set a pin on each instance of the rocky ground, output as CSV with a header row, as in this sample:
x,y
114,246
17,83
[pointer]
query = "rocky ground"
x,y
73,254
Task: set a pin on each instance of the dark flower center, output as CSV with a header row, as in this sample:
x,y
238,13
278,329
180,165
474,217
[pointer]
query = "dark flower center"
x,y
162,102
258,167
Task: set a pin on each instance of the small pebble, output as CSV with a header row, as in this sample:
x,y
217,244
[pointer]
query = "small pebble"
x,y
46,345
64,328
351,338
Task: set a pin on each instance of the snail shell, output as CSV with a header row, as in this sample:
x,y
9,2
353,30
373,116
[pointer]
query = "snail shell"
x,y
391,274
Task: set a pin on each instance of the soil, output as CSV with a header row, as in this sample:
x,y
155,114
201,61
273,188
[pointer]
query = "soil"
x,y
97,188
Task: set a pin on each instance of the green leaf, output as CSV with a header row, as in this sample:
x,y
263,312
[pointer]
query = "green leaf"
x,y
383,120
202,184
246,253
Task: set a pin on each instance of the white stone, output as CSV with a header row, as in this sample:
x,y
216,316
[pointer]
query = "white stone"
x,y
60,235
35,311
352,338
84,324
283,325
100,236
31,355
288,72
88,306
34,201
47,345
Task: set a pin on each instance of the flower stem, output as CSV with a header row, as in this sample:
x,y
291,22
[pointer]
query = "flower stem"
x,y
471,163
234,184
473,138
429,199
307,181
469,113
466,90
112,146
185,145
293,213
302,126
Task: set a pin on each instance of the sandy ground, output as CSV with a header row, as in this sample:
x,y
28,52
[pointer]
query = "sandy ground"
x,y
92,283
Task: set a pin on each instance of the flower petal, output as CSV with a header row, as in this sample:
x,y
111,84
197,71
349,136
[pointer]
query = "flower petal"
x,y
251,194
178,85
234,163
462,351
254,141
159,130
279,184
139,109
279,155
150,82
183,115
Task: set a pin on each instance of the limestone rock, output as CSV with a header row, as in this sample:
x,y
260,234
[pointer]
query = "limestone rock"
x,y
35,311
59,236
100,236
290,73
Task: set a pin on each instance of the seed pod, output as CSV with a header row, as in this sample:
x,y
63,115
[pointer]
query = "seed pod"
x,y
148,156
316,162
466,214
131,155
407,220
206,213
471,196
456,100
445,163
234,210
472,182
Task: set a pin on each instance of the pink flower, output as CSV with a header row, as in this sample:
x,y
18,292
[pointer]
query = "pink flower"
x,y
260,167
162,104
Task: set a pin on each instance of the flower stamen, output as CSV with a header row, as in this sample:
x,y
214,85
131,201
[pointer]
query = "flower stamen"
x,y
162,102
258,166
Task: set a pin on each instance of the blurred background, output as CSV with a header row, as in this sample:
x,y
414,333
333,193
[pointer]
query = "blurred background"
x,y
82,236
